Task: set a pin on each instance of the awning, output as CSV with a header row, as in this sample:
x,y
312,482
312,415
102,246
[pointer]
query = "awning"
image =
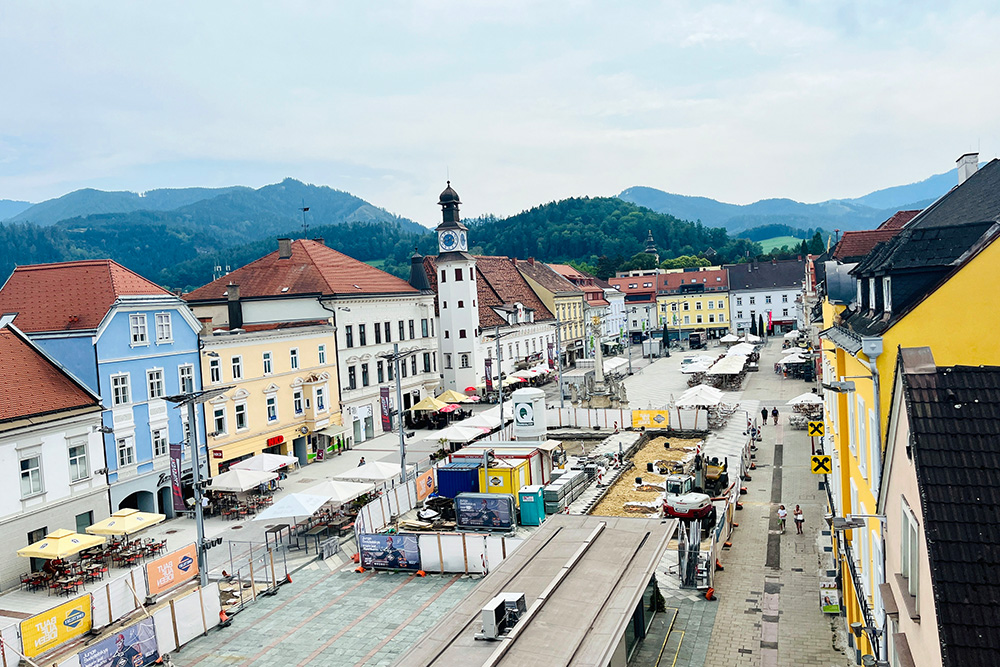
x,y
333,431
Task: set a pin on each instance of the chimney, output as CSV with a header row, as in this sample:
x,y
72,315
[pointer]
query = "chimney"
x,y
284,248
968,164
531,261
235,307
206,326
320,240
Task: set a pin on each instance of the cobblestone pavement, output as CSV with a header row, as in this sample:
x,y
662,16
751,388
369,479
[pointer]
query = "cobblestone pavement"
x,y
332,618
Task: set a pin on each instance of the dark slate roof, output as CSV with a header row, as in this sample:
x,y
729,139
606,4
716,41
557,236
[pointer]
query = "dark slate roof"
x,y
954,416
975,200
785,273
918,247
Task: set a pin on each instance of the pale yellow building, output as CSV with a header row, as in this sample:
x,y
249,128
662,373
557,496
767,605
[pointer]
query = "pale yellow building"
x,y
565,300
285,398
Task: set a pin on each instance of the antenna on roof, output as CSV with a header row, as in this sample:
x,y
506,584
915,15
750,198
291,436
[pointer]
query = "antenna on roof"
x,y
305,225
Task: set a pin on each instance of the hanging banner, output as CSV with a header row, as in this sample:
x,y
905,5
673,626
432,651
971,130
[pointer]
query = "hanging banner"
x,y
44,632
425,484
489,374
133,646
770,326
552,359
171,570
176,452
386,409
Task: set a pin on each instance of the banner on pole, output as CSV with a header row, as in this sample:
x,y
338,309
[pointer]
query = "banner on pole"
x,y
386,409
176,454
489,374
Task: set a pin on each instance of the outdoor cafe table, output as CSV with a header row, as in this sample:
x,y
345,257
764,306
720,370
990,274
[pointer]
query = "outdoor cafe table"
x,y
316,533
337,525
276,531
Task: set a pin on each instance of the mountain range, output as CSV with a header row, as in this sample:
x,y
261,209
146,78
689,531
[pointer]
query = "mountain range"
x,y
864,212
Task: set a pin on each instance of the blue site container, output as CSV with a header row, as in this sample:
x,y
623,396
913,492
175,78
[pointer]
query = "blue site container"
x,y
456,478
532,505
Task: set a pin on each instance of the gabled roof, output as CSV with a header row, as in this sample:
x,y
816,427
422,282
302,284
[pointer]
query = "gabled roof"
x,y
918,247
780,274
677,281
498,284
569,273
547,278
853,246
312,269
69,296
954,416
975,200
32,384
898,220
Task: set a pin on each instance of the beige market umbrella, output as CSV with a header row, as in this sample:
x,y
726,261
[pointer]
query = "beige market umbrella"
x,y
452,396
125,522
430,404
60,543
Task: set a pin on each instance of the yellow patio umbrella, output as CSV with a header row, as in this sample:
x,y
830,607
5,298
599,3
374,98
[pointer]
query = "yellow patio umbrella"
x,y
452,396
125,522
430,403
60,543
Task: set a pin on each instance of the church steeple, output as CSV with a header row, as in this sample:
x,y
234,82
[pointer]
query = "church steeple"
x,y
651,247
449,201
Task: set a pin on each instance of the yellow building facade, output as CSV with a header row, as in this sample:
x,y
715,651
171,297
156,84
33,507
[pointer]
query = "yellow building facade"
x,y
285,397
948,320
691,312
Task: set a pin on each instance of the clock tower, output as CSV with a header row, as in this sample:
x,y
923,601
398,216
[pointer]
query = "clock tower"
x,y
458,299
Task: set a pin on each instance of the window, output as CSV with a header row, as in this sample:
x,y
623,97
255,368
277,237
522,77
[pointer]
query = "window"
x,y
444,276
444,305
126,451
297,401
164,329
432,321
687,319
465,361
241,416
389,371
388,332
31,476
154,380
767,299
673,306
871,293
458,274
423,328
219,420
644,285
784,312
874,451
84,520
293,357
427,362
697,305
722,317
784,298
352,377
215,370
461,304
159,439
268,369
887,293
711,317
413,333
362,335
378,333
461,333
237,363
862,437
402,367
753,300
413,365
909,558
185,377
365,379
137,326
272,408
380,369
78,461
120,394
447,360
739,301
687,306
320,399
349,335
698,319
402,330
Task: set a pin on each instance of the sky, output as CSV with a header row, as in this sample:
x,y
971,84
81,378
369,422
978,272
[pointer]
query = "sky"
x,y
519,103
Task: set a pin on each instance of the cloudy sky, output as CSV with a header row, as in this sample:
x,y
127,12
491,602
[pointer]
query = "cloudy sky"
x,y
520,102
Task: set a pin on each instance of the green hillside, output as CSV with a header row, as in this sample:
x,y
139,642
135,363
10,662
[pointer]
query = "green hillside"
x,y
767,245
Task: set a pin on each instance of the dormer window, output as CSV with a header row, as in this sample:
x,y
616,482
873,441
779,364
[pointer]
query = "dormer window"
x,y
887,294
860,292
871,294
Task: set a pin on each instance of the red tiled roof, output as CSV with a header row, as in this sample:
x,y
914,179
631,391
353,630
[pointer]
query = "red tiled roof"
x,y
498,283
898,220
313,268
282,325
672,282
69,295
32,385
569,273
546,277
855,245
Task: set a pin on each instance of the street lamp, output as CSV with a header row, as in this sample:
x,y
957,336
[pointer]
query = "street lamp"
x,y
189,400
394,358
558,325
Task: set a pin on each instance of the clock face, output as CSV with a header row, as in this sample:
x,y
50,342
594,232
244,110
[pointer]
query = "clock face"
x,y
463,242
449,241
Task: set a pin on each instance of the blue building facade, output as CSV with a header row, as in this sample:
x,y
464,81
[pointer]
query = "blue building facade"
x,y
145,349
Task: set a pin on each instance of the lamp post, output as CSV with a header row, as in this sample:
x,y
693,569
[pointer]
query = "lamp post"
x,y
394,358
189,400
558,325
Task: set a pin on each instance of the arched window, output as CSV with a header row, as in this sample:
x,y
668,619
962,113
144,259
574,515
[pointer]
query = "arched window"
x,y
465,361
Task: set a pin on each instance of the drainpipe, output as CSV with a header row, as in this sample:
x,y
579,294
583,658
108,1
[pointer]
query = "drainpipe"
x,y
872,347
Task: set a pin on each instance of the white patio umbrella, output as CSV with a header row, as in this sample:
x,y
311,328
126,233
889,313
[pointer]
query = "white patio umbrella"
x,y
456,433
340,492
373,471
266,462
740,348
752,338
241,480
482,420
808,398
293,505
794,333
703,389
729,338
793,359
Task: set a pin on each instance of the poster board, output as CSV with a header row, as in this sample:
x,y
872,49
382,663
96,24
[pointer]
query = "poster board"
x,y
390,552
425,484
484,511
50,629
133,646
171,570
650,419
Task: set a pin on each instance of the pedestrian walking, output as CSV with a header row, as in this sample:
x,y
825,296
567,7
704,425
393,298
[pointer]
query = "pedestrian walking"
x,y
799,519
782,515
361,462
774,413
763,416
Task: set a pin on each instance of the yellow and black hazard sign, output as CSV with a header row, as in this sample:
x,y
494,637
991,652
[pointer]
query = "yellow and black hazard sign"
x,y
815,429
821,464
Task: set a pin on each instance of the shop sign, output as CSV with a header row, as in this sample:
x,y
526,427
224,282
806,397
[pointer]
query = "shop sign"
x,y
216,453
276,440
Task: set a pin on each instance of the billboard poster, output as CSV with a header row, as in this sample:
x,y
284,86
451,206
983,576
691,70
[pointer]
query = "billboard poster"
x,y
383,399
390,552
133,646
650,418
172,569
489,374
50,629
176,452
476,511
425,484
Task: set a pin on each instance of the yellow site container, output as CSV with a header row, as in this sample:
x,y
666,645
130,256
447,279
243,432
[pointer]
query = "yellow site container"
x,y
505,476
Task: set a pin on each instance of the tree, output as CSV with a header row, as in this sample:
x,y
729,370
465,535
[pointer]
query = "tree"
x,y
816,245
761,331
641,261
684,262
